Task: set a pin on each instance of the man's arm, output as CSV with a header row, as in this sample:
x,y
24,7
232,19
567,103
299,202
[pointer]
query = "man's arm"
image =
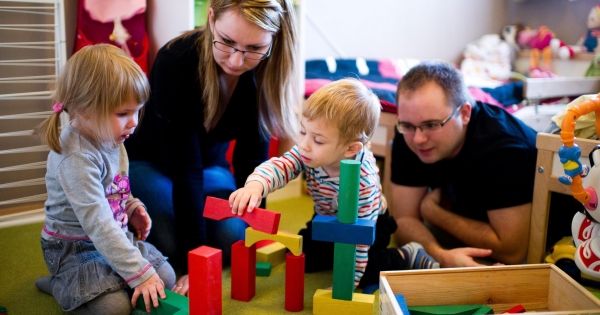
x,y
406,204
506,234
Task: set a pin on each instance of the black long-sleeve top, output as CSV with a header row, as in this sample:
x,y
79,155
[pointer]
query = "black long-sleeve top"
x,y
172,133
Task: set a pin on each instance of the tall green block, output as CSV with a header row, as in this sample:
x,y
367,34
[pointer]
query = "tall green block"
x,y
344,258
348,198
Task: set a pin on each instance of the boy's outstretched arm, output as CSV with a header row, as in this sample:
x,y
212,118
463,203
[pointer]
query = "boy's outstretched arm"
x,y
250,195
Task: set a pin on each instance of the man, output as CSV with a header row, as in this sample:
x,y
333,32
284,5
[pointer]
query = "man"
x,y
460,167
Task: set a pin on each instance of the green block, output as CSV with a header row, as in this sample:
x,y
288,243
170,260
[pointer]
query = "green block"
x,y
349,185
173,304
344,258
484,310
468,309
263,269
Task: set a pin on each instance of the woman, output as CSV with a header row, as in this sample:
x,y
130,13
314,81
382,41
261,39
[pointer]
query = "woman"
x,y
234,79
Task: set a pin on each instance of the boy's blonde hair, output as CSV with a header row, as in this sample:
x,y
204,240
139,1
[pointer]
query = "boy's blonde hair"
x,y
95,81
277,76
350,105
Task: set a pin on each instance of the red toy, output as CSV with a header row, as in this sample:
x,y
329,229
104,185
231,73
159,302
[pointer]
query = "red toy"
x,y
259,219
205,270
243,271
294,282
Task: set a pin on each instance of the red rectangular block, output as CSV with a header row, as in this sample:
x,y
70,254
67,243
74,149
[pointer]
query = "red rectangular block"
x,y
259,219
205,275
294,282
243,271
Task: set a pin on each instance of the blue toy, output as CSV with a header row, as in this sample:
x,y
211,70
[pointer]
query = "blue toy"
x,y
569,157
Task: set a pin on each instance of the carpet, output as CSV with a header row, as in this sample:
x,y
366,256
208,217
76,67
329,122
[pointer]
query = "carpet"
x,y
21,263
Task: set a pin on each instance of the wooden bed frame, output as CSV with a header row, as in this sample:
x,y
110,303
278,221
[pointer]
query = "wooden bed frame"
x,y
548,168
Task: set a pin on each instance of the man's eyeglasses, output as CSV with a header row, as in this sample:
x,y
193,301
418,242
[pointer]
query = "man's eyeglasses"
x,y
428,128
248,54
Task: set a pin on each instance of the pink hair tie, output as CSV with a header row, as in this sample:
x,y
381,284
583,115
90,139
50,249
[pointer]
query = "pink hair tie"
x,y
57,108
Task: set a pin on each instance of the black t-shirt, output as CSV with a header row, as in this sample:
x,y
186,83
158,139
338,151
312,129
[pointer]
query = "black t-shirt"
x,y
171,133
494,169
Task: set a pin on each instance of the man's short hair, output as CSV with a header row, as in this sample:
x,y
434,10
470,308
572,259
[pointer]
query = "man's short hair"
x,y
443,74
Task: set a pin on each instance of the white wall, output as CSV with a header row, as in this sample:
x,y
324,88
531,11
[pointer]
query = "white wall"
x,y
167,19
423,29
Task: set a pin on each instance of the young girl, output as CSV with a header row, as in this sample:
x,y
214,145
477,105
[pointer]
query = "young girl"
x,y
92,257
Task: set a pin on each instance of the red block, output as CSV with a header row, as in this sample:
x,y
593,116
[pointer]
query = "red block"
x,y
205,270
259,219
294,282
243,271
514,310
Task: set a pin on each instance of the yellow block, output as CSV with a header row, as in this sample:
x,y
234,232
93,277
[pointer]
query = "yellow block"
x,y
324,303
273,253
292,241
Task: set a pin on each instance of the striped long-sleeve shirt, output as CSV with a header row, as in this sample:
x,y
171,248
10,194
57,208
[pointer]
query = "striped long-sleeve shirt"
x,y
324,190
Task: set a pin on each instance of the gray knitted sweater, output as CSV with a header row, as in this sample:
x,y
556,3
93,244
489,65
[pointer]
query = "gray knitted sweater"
x,y
89,200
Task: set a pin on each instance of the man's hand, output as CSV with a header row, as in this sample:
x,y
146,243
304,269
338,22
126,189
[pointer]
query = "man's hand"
x,y
140,222
462,257
250,195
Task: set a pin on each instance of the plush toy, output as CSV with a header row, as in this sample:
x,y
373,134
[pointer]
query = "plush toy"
x,y
589,41
539,43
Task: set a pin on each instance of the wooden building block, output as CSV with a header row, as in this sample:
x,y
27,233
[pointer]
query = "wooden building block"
x,y
467,309
259,219
329,229
349,187
243,271
263,269
402,303
292,241
324,303
344,262
206,284
515,310
273,253
263,243
174,304
294,282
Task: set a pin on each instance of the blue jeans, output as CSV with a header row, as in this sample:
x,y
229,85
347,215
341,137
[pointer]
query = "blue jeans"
x,y
154,188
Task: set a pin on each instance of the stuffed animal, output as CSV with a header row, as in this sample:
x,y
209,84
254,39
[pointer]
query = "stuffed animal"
x,y
539,43
589,41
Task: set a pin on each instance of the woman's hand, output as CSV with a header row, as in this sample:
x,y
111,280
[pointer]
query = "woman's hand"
x,y
140,222
182,285
250,195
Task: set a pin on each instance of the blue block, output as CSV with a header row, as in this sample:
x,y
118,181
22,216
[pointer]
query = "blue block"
x,y
402,303
329,229
371,288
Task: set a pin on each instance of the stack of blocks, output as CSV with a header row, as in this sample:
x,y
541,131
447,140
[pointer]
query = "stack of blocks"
x,y
264,226
205,265
346,231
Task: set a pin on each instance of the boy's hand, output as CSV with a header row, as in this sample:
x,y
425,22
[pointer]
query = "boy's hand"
x,y
140,222
250,195
149,289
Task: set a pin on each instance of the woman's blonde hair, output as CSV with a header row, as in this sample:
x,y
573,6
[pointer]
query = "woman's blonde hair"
x,y
277,76
95,81
350,105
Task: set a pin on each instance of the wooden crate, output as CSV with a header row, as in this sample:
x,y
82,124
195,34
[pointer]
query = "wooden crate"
x,y
542,288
